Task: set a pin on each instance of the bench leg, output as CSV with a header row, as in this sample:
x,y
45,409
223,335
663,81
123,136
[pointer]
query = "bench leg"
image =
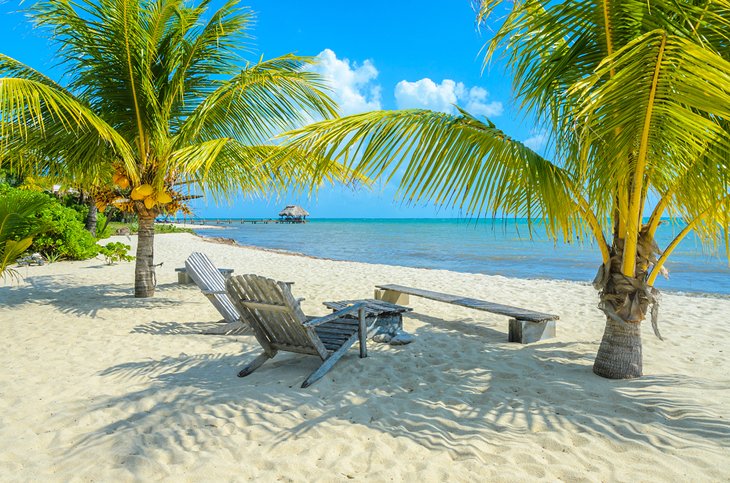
x,y
391,296
525,332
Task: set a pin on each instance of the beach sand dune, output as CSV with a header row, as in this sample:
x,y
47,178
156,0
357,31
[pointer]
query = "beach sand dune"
x,y
97,385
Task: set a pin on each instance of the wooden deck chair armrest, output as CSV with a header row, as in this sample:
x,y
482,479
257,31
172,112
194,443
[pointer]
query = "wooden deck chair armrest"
x,y
334,315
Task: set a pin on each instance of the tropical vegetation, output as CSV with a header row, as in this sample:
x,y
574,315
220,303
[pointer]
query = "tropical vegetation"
x,y
635,97
56,227
18,225
158,107
114,252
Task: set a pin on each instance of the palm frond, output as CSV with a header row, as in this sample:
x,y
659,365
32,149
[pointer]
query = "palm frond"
x,y
18,225
222,167
263,100
452,160
30,109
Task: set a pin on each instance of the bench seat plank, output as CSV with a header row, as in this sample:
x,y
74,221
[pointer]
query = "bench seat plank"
x,y
514,312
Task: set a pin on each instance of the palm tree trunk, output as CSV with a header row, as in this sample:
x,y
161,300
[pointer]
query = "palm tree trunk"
x,y
625,301
144,270
619,356
91,216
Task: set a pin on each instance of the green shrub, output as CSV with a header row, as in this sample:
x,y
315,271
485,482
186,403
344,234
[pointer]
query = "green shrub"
x,y
163,228
102,228
116,252
64,234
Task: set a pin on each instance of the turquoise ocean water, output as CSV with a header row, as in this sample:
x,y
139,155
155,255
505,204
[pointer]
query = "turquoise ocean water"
x,y
495,248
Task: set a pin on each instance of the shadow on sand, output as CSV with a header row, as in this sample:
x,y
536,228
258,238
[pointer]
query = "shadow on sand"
x,y
483,396
82,300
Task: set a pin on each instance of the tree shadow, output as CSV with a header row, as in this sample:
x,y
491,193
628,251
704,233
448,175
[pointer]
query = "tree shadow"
x,y
156,327
462,327
81,300
488,393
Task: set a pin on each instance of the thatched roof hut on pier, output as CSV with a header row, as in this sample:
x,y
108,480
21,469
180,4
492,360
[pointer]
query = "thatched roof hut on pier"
x,y
293,214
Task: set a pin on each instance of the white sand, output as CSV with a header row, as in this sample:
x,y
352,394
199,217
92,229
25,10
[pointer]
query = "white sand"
x,y
97,385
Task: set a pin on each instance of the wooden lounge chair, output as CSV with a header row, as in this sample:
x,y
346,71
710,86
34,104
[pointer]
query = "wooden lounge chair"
x,y
279,324
213,285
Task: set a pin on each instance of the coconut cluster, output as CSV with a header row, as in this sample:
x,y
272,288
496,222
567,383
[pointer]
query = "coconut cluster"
x,y
163,199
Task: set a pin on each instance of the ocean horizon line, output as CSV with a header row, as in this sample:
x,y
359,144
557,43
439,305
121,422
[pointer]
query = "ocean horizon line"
x,y
346,218
505,247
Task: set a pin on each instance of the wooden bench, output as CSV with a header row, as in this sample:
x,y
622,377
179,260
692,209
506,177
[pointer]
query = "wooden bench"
x,y
525,326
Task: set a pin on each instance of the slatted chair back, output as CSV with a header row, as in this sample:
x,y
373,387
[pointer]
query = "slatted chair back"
x,y
206,276
274,314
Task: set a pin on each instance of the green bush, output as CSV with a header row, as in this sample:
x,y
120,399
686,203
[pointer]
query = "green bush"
x,y
116,252
163,228
102,228
65,235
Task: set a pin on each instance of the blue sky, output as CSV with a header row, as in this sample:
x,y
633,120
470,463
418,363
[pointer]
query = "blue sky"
x,y
376,55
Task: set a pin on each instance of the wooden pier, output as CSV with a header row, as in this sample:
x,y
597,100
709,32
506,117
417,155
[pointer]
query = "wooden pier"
x,y
230,221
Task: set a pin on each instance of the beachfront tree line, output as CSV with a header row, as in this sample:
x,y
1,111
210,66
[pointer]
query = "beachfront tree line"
x,y
632,94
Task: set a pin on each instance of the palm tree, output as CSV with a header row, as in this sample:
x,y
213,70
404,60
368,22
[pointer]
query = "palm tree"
x,y
157,106
636,98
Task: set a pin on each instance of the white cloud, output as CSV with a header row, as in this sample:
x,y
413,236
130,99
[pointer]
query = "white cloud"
x,y
426,94
537,141
477,103
354,87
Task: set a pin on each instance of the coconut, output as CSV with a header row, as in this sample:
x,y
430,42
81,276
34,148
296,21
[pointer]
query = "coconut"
x,y
141,192
163,198
122,182
150,202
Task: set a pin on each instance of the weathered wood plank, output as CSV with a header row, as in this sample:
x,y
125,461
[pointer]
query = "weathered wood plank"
x,y
514,312
329,363
266,307
373,307
295,348
329,343
343,323
334,316
347,332
267,320
234,290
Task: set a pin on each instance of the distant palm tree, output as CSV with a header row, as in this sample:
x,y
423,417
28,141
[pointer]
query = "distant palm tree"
x,y
635,96
157,102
